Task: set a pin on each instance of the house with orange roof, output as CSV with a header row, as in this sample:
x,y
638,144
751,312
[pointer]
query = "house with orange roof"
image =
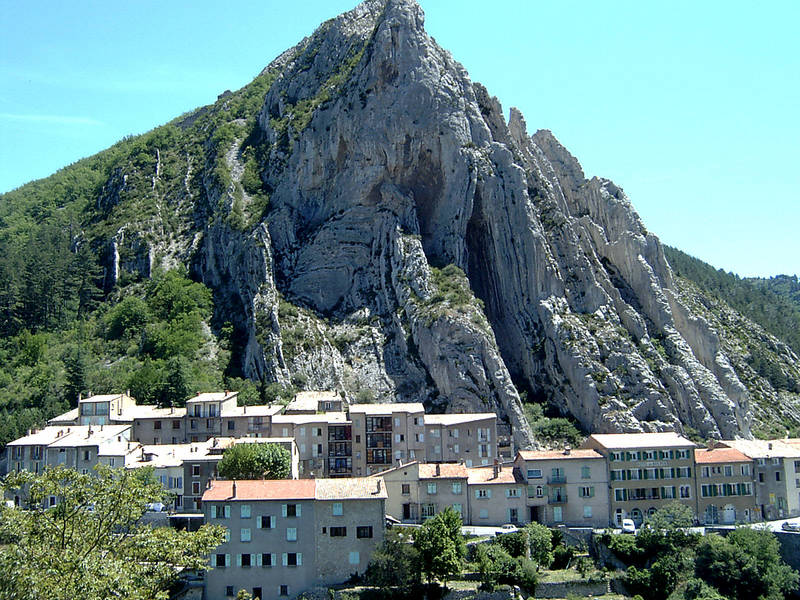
x,y
724,486
496,495
285,537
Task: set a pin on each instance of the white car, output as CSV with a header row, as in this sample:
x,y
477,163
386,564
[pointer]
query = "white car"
x,y
791,526
507,528
628,526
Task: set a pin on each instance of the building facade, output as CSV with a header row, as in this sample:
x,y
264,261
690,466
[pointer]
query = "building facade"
x,y
285,537
724,486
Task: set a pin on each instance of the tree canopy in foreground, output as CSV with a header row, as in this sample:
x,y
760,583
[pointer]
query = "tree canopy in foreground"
x,y
91,544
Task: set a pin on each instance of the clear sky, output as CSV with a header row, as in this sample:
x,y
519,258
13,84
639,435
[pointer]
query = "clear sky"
x,y
692,107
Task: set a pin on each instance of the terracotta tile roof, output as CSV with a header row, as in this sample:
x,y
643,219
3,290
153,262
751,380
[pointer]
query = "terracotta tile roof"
x,y
667,439
455,419
257,410
280,489
704,456
578,454
485,476
351,488
446,471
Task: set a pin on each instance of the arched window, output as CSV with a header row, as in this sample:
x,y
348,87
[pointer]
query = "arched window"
x,y
636,515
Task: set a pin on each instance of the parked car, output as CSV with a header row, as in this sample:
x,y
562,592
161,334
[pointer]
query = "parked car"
x,y
507,528
628,526
791,526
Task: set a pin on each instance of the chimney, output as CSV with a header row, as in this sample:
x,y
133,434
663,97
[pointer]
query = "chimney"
x,y
495,470
379,486
769,445
244,408
234,489
399,462
80,396
438,469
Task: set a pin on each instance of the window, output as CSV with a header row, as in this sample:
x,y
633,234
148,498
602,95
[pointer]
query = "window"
x,y
156,424
534,473
761,478
557,514
620,495
244,511
777,475
337,509
291,510
459,509
292,559
428,510
513,515
587,512
586,491
513,493
706,472
220,512
284,590
686,491
229,590
244,560
728,471
776,461
586,473
244,535
483,493
267,560
405,489
431,488
231,425
364,531
797,466
291,534
87,455
355,558
257,592
454,433
484,514
222,560
338,531
745,469
266,522
456,487
195,470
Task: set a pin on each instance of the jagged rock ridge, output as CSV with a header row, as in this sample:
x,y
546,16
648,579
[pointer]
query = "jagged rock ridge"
x,y
391,176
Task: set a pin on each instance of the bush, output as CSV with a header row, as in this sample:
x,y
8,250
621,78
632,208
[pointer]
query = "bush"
x,y
516,544
395,563
127,318
562,556
540,540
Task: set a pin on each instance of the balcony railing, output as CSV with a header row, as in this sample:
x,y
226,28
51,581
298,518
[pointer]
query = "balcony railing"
x,y
557,479
559,499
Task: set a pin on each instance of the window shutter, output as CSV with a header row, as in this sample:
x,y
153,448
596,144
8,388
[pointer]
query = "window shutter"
x,y
213,512
298,510
299,559
259,561
227,511
260,523
227,560
283,512
273,559
477,494
285,559
238,560
489,493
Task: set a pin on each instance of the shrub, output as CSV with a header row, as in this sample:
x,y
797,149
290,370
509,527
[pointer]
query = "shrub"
x,y
540,539
562,556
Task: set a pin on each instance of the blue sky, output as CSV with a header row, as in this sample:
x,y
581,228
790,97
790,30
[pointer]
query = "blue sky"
x,y
691,107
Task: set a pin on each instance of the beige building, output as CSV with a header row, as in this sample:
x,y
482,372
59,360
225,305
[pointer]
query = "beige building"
x,y
310,403
724,486
417,491
567,487
471,437
385,433
646,471
496,495
324,442
776,471
285,537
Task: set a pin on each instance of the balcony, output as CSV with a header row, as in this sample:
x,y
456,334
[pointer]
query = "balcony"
x,y
557,479
557,499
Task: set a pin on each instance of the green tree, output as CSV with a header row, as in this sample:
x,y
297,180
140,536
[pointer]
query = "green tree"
x,y
440,547
540,540
395,563
91,544
746,564
127,318
255,461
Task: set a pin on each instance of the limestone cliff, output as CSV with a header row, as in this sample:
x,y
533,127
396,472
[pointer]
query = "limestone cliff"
x,y
403,241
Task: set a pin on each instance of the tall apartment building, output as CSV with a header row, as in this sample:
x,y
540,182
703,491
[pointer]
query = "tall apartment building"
x,y
385,433
723,486
646,471
776,466
324,441
471,437
285,537
565,487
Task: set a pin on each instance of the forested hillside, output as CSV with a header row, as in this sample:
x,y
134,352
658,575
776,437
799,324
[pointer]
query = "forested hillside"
x,y
772,303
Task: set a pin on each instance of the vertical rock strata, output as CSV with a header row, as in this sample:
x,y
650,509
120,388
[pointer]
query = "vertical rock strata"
x,y
417,246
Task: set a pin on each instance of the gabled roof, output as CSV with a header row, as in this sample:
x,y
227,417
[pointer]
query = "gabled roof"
x,y
485,475
351,488
704,456
668,439
445,471
212,397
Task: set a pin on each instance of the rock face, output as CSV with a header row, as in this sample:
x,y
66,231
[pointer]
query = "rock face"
x,y
418,246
